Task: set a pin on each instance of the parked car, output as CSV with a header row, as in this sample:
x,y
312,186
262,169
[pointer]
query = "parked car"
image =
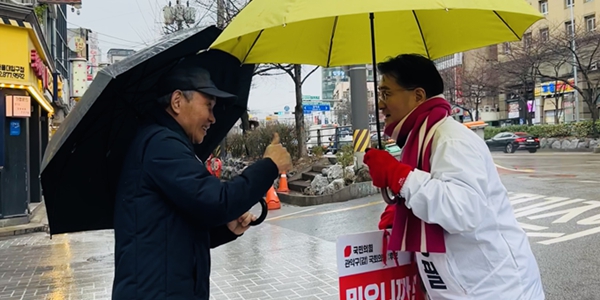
x,y
509,142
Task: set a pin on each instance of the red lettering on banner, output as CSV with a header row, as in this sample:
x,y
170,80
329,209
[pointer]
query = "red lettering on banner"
x,y
398,283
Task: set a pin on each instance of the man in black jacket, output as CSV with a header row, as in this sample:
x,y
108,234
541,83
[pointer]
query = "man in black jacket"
x,y
169,209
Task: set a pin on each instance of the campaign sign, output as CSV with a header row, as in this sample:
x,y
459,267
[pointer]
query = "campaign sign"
x,y
364,276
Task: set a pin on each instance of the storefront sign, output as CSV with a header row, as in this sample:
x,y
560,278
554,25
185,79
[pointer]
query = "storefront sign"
x,y
554,87
18,106
12,72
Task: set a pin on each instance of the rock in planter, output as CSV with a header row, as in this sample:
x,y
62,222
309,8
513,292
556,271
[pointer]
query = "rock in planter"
x,y
334,186
335,172
319,184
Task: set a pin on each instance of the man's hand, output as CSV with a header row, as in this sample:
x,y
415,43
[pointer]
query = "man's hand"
x,y
279,155
385,170
241,224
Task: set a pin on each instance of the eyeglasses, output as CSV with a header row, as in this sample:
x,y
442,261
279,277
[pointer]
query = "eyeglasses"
x,y
384,94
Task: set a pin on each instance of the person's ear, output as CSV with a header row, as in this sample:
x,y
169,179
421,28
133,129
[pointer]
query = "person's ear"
x,y
420,95
176,101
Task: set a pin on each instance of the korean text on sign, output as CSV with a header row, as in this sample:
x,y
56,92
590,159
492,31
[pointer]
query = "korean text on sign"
x,y
362,274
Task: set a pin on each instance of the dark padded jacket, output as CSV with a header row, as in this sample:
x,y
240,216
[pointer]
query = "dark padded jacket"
x,y
170,211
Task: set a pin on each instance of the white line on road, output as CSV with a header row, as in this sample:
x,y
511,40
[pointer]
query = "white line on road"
x,y
290,214
589,181
532,227
514,170
545,234
571,236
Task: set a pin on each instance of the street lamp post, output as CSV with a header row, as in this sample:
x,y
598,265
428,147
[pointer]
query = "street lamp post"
x,y
573,49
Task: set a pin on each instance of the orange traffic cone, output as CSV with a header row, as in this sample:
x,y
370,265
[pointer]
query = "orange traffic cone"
x,y
283,184
273,199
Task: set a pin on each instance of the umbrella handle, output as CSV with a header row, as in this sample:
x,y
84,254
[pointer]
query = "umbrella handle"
x,y
386,197
263,214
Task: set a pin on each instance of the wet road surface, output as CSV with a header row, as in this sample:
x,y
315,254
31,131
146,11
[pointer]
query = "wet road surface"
x,y
556,197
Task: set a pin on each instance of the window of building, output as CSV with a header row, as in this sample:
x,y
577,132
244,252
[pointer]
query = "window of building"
x,y
544,6
569,3
590,23
569,27
544,34
527,40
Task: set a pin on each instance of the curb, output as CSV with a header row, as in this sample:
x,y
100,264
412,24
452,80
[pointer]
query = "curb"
x,y
353,191
22,229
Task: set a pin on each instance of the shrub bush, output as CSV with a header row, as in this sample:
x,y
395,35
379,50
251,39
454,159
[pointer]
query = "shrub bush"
x,y
579,130
252,145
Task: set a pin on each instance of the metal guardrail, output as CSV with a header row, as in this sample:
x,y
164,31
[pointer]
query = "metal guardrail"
x,y
342,136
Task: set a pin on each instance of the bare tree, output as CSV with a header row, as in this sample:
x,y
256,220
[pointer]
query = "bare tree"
x,y
554,65
451,83
478,83
295,73
518,65
222,13
585,58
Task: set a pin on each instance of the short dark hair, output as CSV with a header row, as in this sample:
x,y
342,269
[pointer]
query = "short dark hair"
x,y
165,100
414,71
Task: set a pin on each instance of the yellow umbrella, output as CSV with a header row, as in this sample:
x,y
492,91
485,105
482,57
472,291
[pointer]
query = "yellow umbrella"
x,y
344,32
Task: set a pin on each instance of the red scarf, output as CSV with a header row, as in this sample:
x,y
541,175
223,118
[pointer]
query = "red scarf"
x,y
414,134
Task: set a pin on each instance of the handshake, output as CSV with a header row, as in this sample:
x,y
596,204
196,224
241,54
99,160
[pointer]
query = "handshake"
x,y
279,155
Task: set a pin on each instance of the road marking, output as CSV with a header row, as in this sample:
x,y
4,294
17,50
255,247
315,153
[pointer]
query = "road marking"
x,y
568,214
589,181
514,170
332,211
290,214
541,207
545,234
532,227
518,199
571,236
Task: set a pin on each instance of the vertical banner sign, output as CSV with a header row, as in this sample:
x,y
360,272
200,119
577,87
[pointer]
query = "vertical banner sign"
x,y
364,276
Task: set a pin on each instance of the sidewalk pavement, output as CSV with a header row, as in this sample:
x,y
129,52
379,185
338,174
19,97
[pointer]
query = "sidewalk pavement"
x,y
38,222
268,262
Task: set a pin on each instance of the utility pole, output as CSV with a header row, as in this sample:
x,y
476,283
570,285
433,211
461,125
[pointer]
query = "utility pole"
x,y
221,149
573,49
221,14
361,137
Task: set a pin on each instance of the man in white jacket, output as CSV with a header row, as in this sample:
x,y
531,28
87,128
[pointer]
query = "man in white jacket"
x,y
453,211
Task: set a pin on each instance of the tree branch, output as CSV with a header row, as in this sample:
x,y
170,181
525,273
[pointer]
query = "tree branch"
x,y
308,75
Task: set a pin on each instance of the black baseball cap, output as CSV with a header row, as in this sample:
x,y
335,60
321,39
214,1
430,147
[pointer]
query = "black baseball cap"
x,y
189,77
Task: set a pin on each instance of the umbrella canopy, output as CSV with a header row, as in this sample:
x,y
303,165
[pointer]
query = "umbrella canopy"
x,y
82,162
339,32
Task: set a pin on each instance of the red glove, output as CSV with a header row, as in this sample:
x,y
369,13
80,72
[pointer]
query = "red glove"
x,y
387,217
385,170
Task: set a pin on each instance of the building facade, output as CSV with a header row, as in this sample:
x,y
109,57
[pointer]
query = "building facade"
x,y
115,55
543,100
32,78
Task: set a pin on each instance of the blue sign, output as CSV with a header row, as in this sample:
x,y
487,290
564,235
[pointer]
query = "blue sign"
x,y
286,108
321,107
15,128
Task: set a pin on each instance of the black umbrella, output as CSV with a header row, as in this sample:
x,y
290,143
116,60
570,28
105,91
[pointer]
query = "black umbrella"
x,y
82,161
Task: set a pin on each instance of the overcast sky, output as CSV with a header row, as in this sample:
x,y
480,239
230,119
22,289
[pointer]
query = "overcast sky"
x,y
133,24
